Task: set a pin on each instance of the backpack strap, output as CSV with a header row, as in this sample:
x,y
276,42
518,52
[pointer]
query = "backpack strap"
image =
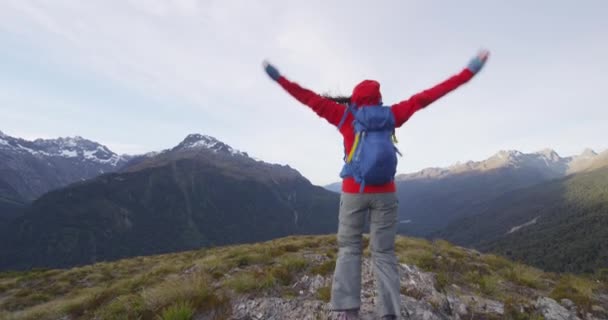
x,y
395,141
353,148
349,108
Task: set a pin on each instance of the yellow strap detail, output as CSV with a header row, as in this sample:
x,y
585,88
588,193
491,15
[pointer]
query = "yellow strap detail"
x,y
352,150
395,141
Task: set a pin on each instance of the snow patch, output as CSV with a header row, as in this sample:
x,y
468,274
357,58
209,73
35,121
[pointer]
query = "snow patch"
x,y
527,224
203,144
69,153
197,141
32,151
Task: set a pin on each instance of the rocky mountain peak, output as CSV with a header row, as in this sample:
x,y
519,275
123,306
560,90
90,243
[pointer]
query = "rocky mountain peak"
x,y
548,154
508,154
588,153
74,148
196,141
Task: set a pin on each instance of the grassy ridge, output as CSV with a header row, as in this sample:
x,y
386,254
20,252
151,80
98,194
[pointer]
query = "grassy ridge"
x,y
177,286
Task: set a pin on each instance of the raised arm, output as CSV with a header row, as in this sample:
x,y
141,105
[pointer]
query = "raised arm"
x,y
325,108
405,109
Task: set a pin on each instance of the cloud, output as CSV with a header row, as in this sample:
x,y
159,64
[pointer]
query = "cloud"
x,y
200,62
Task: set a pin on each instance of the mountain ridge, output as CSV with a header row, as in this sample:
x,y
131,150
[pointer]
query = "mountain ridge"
x,y
29,169
513,158
200,193
434,197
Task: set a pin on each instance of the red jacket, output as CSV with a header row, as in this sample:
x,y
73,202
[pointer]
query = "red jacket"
x,y
367,93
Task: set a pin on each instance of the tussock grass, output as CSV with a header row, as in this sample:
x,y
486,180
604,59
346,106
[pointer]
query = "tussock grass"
x,y
130,306
523,275
178,311
251,281
324,294
293,263
602,275
325,268
193,289
497,262
179,285
487,284
514,310
577,289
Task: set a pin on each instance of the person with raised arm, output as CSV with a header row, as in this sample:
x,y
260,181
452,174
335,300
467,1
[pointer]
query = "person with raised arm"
x,y
368,186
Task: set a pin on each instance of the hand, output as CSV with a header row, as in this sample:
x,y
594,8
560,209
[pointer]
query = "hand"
x,y
271,71
478,61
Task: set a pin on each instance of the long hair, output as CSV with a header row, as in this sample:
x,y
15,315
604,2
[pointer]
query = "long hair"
x,y
339,98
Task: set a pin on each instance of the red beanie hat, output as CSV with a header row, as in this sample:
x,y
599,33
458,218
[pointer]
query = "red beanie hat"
x,y
366,93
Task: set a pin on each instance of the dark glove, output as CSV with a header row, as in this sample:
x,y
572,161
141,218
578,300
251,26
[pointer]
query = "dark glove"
x,y
477,63
271,71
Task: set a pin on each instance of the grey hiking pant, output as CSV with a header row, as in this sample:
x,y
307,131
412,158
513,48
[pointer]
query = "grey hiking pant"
x,y
346,287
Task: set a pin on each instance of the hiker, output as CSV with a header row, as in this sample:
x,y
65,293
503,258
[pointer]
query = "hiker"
x,y
368,181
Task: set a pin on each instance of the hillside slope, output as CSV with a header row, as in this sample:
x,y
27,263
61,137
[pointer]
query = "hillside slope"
x,y
435,197
558,226
290,278
195,195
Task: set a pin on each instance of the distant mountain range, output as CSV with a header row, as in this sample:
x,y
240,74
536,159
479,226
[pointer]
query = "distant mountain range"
x,y
200,193
433,198
547,162
72,201
29,169
546,210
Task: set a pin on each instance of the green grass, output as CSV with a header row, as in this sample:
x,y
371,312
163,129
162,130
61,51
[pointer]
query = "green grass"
x,y
250,281
441,281
130,306
325,268
179,285
293,263
324,294
513,310
178,311
577,289
523,275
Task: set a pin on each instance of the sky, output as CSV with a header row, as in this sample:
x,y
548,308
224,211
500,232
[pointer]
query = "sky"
x,y
140,75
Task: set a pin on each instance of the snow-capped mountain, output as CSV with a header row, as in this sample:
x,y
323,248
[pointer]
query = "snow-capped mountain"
x,y
209,150
197,141
546,161
201,192
30,168
70,147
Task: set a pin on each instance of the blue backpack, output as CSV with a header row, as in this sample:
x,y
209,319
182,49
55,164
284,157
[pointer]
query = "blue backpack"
x,y
373,156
